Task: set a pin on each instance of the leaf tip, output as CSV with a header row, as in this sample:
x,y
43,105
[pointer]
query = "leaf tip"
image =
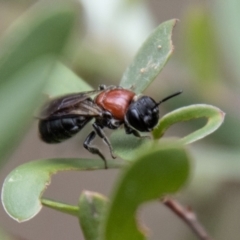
x,y
174,23
222,114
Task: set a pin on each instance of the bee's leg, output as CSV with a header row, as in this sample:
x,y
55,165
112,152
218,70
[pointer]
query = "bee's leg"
x,y
130,130
102,87
92,149
102,135
132,87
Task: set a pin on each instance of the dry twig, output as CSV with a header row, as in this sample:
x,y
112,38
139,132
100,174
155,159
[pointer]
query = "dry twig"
x,y
188,216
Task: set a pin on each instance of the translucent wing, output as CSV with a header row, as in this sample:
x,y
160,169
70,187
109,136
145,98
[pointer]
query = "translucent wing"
x,y
71,104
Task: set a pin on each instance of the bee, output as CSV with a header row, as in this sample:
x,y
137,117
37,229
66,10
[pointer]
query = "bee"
x,y
111,107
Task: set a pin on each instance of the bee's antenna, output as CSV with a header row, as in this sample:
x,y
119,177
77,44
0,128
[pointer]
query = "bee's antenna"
x,y
166,98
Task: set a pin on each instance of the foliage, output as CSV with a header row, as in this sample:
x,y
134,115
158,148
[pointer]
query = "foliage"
x,y
35,54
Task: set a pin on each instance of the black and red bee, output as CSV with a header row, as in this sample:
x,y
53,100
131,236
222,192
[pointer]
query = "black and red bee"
x,y
111,107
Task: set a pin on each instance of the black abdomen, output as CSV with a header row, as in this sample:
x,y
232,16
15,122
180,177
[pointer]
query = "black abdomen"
x,y
60,129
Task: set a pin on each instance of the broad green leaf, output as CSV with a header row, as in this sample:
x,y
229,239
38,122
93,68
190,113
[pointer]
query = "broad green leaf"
x,y
213,114
128,147
39,33
42,30
63,81
156,173
18,98
24,186
150,58
92,208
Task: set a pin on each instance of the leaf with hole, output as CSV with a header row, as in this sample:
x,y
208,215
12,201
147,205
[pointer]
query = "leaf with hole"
x,y
157,172
214,115
24,186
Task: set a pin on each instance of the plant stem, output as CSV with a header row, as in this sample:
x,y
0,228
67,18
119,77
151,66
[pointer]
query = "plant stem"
x,y
62,207
188,216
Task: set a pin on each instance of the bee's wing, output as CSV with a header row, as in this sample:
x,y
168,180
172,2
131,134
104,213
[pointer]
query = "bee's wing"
x,y
71,104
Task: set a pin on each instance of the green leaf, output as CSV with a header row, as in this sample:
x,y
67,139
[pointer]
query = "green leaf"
x,y
26,59
92,208
90,211
42,30
200,50
156,173
63,81
18,98
213,114
128,147
227,19
24,186
150,58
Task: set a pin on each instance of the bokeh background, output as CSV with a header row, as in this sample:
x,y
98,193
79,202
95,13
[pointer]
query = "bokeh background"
x,y
205,64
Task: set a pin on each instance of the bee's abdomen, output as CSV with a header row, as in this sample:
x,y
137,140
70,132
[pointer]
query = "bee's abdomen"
x,y
58,130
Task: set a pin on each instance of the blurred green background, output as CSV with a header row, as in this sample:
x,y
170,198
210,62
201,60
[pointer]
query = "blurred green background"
x,y
205,64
